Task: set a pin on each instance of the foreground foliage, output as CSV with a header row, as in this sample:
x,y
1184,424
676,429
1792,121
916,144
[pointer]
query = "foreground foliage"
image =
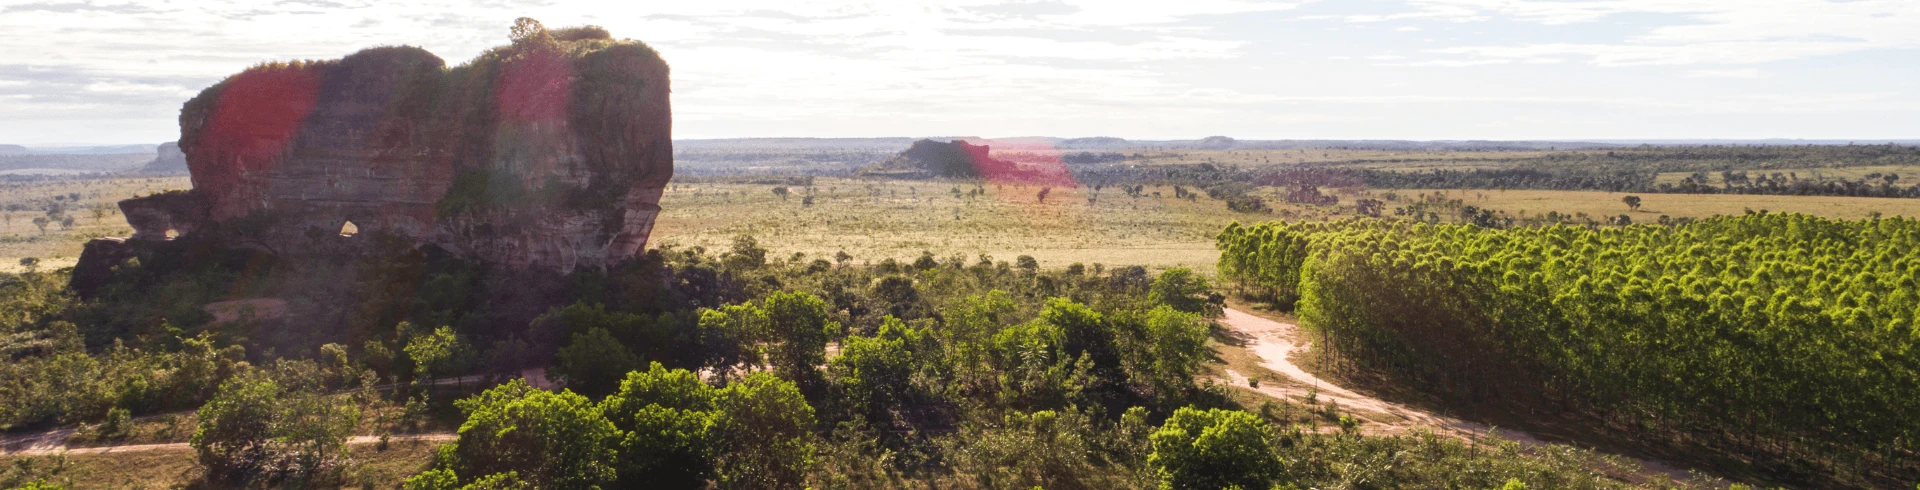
x,y
688,369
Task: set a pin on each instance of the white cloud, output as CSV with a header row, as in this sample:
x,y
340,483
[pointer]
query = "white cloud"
x,y
1066,67
1704,31
128,88
1734,73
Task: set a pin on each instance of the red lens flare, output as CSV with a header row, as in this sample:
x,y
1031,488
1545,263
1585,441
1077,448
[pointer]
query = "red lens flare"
x,y
533,88
1021,163
258,115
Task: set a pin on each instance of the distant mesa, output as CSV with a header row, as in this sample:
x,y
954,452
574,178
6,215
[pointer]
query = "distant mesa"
x,y
1214,143
928,158
169,161
550,153
959,159
13,150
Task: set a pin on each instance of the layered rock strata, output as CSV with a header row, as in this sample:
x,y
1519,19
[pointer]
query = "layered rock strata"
x,y
550,153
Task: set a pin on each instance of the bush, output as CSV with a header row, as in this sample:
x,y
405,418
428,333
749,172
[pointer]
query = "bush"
x,y
255,429
1176,347
769,434
1043,449
593,363
671,429
1213,449
438,353
118,421
799,325
874,372
1183,290
547,440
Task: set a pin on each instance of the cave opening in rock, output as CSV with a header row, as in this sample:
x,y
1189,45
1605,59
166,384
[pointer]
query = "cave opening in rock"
x,y
349,229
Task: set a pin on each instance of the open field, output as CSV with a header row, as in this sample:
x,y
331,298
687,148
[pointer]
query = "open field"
x,y
875,220
1378,159
1601,204
1908,173
95,214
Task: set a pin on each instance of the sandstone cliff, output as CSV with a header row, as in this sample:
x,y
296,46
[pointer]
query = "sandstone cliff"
x,y
550,153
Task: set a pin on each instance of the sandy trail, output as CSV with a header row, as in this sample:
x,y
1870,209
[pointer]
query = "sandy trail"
x,y
1277,343
181,446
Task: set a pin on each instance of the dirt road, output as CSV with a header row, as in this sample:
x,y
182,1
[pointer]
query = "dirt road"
x,y
181,446
1277,344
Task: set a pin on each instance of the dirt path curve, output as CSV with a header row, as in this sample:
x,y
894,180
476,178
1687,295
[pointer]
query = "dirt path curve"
x,y
1276,344
181,446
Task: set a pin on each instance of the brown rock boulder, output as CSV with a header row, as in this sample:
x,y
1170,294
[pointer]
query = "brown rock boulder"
x,y
551,153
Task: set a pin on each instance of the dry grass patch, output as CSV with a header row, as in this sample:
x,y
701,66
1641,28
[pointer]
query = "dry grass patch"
x,y
375,468
95,214
878,219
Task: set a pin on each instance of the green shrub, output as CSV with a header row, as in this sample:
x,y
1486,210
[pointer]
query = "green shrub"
x,y
671,429
1214,449
769,432
593,363
1183,290
547,440
258,430
117,423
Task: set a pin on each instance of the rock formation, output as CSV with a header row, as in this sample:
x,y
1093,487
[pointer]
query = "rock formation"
x,y
550,153
955,159
962,160
168,161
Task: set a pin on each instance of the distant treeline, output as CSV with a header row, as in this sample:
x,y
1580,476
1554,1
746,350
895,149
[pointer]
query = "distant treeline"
x,y
1783,170
76,162
1874,185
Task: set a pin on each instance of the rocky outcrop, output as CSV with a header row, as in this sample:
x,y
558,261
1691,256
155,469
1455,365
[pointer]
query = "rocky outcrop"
x,y
97,260
962,160
551,153
168,161
954,159
153,216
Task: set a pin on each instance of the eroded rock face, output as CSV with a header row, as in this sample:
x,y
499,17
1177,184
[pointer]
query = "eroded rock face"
x,y
550,153
153,216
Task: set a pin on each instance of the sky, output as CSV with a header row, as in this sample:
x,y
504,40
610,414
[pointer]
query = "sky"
x,y
113,71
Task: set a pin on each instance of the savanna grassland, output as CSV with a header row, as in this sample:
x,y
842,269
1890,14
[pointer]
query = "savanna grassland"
x,y
91,202
877,219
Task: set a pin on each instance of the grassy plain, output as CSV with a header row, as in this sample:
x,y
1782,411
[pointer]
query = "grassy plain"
x,y
21,202
1376,159
875,220
1908,173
